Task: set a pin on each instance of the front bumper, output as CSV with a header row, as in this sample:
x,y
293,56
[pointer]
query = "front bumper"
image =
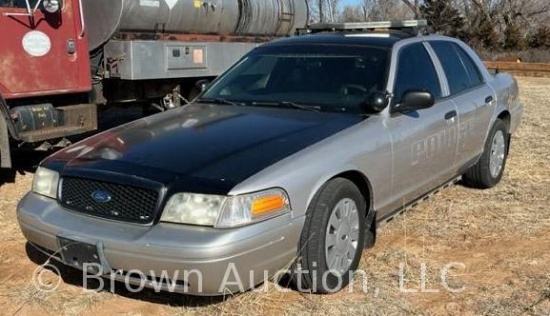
x,y
198,257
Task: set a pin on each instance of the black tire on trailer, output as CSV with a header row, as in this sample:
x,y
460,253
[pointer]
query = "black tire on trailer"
x,y
332,239
488,171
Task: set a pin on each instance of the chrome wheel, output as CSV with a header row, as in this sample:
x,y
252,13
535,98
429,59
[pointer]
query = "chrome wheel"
x,y
498,152
342,235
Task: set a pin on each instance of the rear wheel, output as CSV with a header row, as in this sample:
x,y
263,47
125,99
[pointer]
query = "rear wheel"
x,y
332,239
489,169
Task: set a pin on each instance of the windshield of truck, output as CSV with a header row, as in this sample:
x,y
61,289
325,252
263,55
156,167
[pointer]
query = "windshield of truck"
x,y
331,78
17,3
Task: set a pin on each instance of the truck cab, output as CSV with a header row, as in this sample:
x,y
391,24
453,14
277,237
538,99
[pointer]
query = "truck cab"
x,y
44,55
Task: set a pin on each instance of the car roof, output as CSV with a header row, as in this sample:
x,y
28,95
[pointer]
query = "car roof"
x,y
377,39
383,34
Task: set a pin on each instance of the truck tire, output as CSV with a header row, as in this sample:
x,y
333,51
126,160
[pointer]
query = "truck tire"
x,y
332,238
488,171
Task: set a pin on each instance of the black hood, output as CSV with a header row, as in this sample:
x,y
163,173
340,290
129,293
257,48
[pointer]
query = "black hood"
x,y
199,148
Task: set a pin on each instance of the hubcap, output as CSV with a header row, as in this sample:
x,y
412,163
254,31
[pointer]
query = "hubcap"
x,y
342,236
498,151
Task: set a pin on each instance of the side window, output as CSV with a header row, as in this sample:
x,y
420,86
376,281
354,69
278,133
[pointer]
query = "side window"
x,y
452,64
17,3
415,71
471,68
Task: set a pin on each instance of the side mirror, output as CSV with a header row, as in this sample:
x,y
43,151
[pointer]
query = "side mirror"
x,y
416,100
376,102
52,6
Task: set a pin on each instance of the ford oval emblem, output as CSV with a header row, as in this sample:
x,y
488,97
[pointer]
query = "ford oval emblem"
x,y
101,196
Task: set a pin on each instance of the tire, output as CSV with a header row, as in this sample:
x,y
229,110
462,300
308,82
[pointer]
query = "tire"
x,y
488,171
321,266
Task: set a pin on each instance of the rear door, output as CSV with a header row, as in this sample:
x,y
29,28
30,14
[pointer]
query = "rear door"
x,y
424,141
42,53
473,98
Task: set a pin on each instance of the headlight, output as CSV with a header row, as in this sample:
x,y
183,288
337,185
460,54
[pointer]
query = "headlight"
x,y
225,211
197,209
45,182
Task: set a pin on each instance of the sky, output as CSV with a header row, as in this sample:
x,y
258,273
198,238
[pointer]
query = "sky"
x,y
352,2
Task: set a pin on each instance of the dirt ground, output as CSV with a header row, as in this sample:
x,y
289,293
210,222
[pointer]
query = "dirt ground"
x,y
464,252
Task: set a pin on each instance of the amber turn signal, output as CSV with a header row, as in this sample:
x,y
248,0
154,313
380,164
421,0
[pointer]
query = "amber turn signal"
x,y
268,203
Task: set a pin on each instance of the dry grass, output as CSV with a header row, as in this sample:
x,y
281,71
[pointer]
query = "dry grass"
x,y
501,236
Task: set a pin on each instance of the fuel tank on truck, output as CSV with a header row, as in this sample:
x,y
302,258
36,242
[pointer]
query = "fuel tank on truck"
x,y
104,18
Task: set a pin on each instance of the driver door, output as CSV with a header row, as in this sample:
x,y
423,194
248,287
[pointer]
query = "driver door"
x,y
424,141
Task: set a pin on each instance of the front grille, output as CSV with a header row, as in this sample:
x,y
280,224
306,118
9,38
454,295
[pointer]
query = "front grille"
x,y
109,200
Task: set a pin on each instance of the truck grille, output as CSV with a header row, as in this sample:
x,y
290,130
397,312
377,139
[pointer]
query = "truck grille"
x,y
109,200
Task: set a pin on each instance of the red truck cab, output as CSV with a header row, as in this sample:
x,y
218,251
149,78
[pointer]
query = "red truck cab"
x,y
43,54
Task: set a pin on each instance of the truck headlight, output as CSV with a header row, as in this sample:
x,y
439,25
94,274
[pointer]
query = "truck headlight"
x,y
45,182
225,211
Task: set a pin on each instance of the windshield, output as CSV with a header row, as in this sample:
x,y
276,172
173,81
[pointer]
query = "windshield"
x,y
17,3
321,77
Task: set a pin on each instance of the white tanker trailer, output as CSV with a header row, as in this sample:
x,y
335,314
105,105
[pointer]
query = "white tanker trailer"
x,y
145,49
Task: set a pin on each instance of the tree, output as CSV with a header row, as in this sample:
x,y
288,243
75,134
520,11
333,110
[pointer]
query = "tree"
x,y
323,10
367,7
482,33
513,38
352,14
510,20
375,10
414,6
540,38
443,17
381,10
484,24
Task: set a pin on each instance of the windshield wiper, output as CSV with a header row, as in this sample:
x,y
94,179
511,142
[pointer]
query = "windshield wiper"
x,y
295,105
219,101
288,104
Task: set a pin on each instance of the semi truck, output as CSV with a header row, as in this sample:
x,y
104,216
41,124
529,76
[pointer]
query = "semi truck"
x,y
63,61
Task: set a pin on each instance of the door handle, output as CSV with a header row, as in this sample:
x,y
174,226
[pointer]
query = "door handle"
x,y
450,115
489,99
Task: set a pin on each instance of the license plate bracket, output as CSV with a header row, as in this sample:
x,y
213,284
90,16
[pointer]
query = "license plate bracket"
x,y
80,255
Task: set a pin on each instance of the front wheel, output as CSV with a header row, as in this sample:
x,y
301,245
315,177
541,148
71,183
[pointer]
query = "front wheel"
x,y
489,169
332,238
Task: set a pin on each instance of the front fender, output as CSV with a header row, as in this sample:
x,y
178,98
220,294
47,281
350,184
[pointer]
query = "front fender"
x,y
364,148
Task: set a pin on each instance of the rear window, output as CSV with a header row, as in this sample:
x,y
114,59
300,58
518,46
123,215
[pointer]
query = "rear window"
x,y
462,73
471,68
